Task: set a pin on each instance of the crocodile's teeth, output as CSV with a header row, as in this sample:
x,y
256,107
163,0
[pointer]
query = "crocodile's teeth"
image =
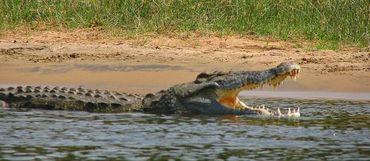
x,y
289,111
279,112
243,104
296,113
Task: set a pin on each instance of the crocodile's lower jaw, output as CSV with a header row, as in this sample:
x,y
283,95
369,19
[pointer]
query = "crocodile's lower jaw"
x,y
261,110
228,98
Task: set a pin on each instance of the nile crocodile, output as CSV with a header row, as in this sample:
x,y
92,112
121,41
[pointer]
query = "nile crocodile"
x,y
210,93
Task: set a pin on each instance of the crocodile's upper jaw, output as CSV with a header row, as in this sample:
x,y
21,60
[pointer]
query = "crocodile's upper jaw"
x,y
229,97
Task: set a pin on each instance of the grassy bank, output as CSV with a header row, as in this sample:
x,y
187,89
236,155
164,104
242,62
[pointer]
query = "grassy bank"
x,y
324,20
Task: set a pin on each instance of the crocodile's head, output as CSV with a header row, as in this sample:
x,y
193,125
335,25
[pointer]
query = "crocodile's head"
x,y
217,92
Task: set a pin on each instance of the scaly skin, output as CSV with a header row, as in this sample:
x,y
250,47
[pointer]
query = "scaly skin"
x,y
210,93
74,99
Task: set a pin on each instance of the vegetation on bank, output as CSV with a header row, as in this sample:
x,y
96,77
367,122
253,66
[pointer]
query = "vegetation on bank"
x,y
334,21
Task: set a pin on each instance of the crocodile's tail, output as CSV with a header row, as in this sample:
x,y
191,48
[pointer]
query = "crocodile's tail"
x,y
73,99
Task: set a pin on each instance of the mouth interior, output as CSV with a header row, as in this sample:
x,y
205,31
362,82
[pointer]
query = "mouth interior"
x,y
228,98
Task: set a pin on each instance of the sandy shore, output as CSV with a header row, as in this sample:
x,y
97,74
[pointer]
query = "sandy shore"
x,y
150,63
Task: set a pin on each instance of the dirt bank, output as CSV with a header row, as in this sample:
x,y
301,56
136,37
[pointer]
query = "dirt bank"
x,y
93,59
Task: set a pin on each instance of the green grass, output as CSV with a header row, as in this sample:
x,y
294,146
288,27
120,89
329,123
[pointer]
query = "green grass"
x,y
344,21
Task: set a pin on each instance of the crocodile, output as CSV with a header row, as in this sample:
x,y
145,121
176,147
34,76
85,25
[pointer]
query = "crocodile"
x,y
210,93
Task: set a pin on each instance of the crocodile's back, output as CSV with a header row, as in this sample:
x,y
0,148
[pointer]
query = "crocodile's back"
x,y
73,99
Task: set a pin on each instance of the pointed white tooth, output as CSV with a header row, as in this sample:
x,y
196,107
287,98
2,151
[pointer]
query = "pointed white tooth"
x,y
297,113
279,112
289,111
263,106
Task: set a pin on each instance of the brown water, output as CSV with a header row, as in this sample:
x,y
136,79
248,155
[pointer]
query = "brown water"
x,y
327,130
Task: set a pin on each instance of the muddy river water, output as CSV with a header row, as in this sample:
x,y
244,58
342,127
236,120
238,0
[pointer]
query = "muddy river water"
x,y
328,130
335,125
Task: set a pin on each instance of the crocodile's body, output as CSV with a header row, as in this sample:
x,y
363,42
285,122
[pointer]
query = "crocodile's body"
x,y
210,93
76,99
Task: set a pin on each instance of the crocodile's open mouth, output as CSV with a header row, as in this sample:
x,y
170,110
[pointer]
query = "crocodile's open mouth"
x,y
229,97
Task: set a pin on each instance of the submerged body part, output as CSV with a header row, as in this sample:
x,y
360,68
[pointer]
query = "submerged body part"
x,y
210,93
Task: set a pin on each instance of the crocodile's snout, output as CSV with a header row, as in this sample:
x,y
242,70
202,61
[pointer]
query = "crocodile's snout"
x,y
239,81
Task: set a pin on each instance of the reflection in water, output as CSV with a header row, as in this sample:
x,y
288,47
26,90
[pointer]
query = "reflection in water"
x,y
328,129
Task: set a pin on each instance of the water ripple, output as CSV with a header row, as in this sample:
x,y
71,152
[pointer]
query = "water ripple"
x,y
327,130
